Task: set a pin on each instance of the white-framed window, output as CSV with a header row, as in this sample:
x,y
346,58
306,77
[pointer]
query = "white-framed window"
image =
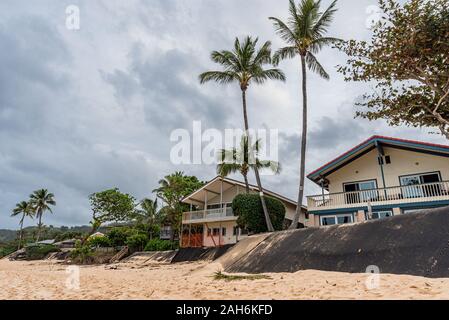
x,y
330,220
380,214
415,185
360,191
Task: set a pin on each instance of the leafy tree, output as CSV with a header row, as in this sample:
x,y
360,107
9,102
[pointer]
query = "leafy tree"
x,y
110,206
26,210
137,241
118,236
245,65
172,189
243,159
304,32
407,61
248,208
149,215
41,200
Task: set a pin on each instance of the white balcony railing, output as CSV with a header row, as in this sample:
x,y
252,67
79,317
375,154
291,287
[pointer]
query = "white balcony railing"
x,y
209,215
383,196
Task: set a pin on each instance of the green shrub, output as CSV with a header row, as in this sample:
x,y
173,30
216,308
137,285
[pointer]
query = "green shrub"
x,y
117,236
7,250
82,253
161,245
40,251
137,241
248,208
99,241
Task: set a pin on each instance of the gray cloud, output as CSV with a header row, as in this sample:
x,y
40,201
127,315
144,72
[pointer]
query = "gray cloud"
x,y
82,111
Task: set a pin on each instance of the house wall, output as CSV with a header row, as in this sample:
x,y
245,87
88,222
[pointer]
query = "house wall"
x,y
403,162
229,238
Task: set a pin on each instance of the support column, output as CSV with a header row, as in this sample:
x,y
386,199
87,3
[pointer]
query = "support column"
x,y
311,222
205,204
360,216
317,221
221,198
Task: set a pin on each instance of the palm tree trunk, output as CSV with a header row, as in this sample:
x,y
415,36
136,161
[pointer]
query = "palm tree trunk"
x,y
39,225
256,171
245,114
245,177
21,232
295,221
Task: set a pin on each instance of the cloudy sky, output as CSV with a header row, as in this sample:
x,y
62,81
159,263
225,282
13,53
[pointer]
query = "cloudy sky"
x,y
90,109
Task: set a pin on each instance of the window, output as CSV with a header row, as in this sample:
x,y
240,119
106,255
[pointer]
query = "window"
x,y
416,188
362,191
223,232
216,231
235,231
380,215
336,219
387,159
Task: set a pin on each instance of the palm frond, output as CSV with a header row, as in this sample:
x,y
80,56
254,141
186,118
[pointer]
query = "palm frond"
x,y
285,53
319,43
272,74
283,30
325,20
222,77
315,66
263,55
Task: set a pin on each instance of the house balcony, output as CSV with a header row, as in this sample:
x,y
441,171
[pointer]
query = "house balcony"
x,y
210,215
438,191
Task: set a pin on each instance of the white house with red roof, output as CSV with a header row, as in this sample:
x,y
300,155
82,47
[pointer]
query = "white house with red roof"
x,y
379,178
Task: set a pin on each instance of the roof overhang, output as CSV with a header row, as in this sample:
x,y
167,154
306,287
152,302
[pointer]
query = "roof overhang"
x,y
213,188
376,142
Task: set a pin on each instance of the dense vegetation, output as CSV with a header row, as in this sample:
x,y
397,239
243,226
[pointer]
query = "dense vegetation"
x,y
248,208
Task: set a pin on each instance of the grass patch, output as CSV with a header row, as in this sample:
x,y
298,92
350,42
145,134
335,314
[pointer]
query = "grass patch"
x,y
221,276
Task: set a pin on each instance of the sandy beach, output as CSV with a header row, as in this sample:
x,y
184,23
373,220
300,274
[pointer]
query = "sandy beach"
x,y
51,280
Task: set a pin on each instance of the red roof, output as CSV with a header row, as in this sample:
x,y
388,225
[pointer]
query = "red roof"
x,y
372,139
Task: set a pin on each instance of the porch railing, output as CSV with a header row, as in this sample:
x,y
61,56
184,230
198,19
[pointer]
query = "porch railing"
x,y
382,196
210,214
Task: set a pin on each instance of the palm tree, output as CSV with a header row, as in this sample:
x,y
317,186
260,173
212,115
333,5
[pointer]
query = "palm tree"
x,y
41,200
148,214
26,210
240,160
244,65
305,34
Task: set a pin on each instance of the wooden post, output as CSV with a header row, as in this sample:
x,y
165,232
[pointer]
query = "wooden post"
x,y
221,198
190,232
205,204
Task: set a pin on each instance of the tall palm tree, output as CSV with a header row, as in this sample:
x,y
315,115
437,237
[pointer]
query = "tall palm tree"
x,y
305,34
149,214
240,160
245,65
41,200
26,210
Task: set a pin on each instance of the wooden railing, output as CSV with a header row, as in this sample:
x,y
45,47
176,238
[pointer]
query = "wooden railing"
x,y
210,214
383,196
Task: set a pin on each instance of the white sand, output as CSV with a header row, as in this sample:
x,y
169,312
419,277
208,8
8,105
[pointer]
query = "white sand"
x,y
47,280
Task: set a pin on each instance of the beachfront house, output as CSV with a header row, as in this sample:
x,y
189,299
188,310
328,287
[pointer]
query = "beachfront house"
x,y
379,178
211,222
